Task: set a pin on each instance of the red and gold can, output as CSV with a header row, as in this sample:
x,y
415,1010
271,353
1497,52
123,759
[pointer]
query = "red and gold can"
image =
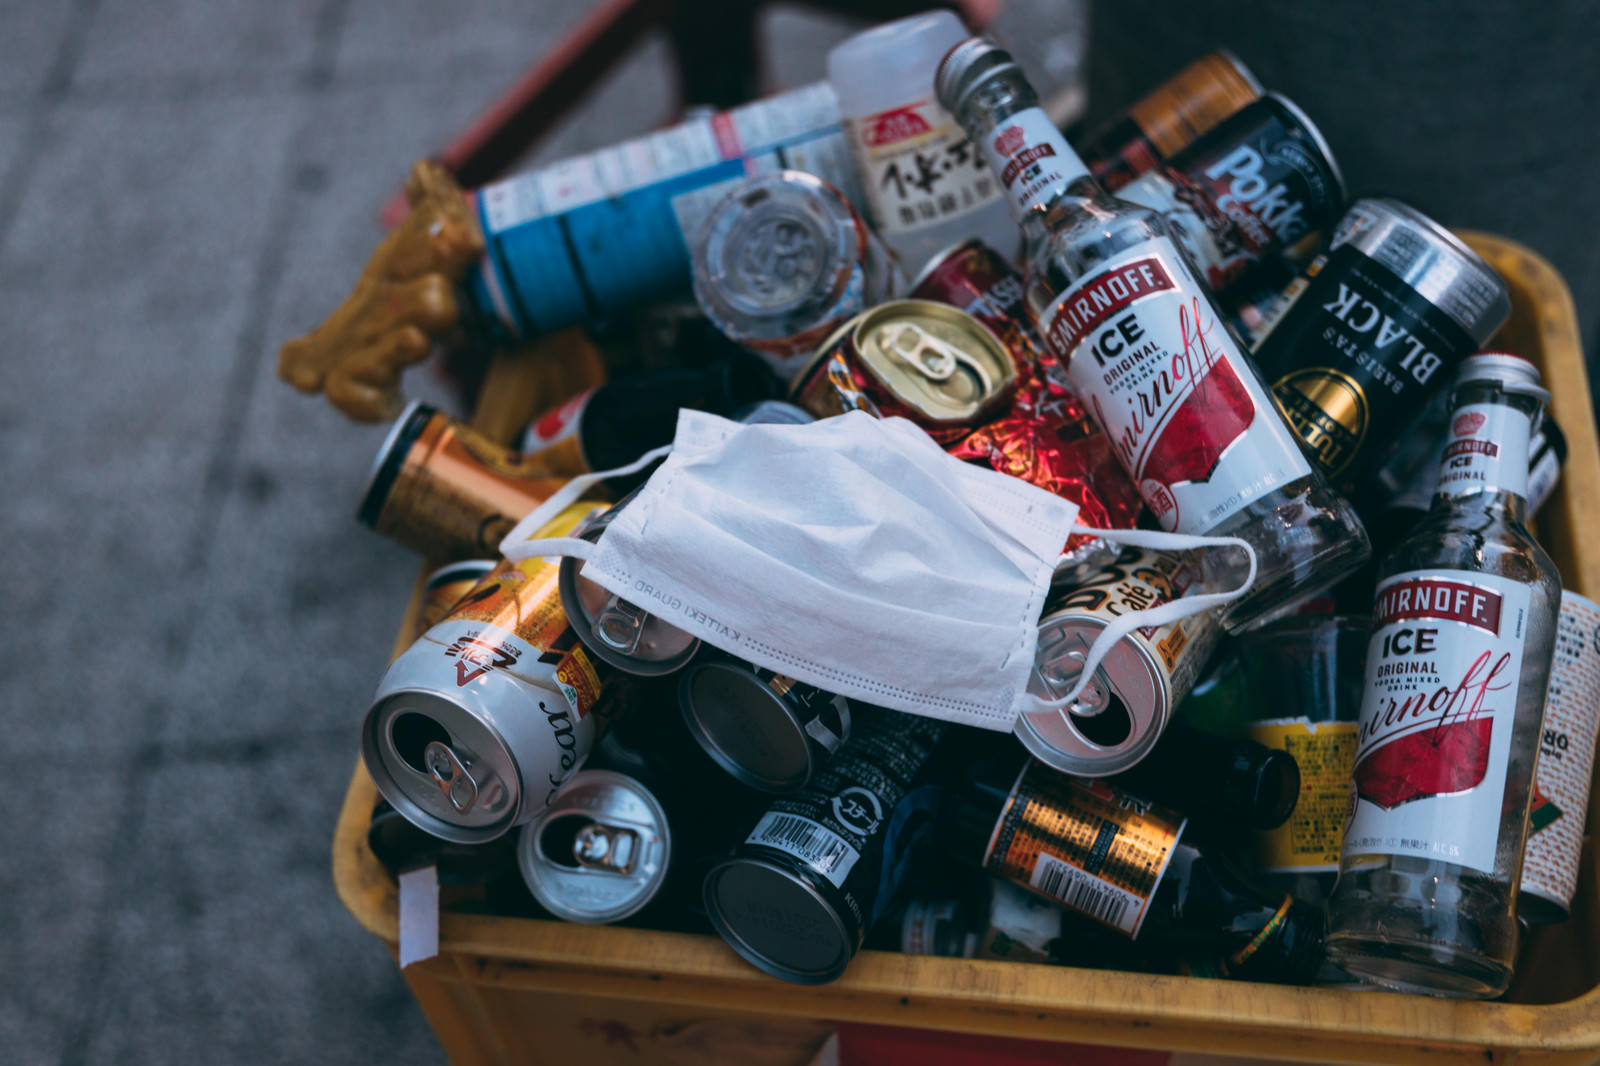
x,y
441,488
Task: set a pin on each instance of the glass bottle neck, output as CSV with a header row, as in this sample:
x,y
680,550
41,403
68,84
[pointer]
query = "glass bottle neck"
x,y
1036,167
1484,465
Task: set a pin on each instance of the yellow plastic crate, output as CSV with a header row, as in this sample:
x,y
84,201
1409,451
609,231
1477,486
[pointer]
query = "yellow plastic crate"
x,y
506,990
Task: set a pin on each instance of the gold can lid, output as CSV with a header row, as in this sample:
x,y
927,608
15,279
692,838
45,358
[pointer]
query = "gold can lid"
x,y
938,360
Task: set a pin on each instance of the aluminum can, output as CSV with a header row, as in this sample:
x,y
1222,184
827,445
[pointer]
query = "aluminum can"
x,y
782,262
1169,118
1547,454
1376,329
977,279
1244,193
931,363
615,629
477,724
1087,845
1137,685
1554,851
599,852
797,897
441,488
601,233
768,730
444,588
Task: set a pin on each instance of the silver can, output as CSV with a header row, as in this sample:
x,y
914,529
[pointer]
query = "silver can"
x,y
1126,705
618,630
599,852
477,724
768,730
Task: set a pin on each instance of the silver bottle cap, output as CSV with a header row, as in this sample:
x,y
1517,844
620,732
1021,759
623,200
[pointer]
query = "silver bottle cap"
x,y
1511,372
967,66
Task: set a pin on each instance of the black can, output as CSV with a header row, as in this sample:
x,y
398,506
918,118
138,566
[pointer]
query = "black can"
x,y
797,897
1373,330
1261,182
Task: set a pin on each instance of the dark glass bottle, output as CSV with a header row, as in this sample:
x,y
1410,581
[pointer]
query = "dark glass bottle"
x,y
1230,783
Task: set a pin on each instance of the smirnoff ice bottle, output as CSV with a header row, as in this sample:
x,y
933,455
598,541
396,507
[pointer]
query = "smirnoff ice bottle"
x,y
1146,349
1464,625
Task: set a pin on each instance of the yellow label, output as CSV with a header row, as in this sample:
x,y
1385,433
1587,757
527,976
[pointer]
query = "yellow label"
x,y
1309,841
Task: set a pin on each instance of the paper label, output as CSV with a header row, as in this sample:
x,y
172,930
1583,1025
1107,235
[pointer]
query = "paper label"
x,y
1032,160
918,167
1325,751
419,915
1566,755
813,843
1171,390
1443,667
1485,450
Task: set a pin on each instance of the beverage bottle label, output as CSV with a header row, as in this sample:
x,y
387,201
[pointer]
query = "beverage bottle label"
x,y
918,167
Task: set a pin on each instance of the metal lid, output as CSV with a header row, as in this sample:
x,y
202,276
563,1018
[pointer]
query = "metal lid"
x,y
938,360
1430,259
444,769
390,458
1512,373
778,921
776,255
966,67
1245,73
745,725
1316,138
1127,697
599,852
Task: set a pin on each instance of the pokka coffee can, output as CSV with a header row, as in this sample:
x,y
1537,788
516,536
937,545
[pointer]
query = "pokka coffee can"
x,y
798,896
443,489
1130,699
476,725
617,630
1169,118
1550,862
931,363
1375,330
768,730
445,587
782,261
1247,191
599,852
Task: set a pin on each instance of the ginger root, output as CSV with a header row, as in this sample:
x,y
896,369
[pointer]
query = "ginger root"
x,y
403,302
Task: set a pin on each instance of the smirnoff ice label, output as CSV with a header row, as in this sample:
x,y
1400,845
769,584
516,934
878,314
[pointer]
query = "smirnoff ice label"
x,y
1443,668
1171,390
1481,435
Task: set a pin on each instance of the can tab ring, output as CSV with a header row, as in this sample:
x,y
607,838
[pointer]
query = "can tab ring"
x,y
936,359
450,774
609,848
1094,699
621,624
818,731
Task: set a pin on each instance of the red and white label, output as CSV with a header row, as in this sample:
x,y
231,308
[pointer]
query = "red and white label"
x,y
918,167
1034,162
1443,667
1486,451
1171,390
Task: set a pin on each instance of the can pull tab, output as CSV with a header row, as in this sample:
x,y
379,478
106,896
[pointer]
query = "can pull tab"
x,y
1063,674
450,774
818,730
606,847
935,358
621,624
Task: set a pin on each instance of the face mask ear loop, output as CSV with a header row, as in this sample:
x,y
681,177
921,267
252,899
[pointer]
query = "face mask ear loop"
x,y
551,548
515,545
1157,616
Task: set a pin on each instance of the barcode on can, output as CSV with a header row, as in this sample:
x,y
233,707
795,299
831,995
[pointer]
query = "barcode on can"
x,y
811,842
1088,894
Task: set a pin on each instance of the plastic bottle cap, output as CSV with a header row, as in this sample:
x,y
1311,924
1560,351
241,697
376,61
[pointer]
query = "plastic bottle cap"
x,y
892,65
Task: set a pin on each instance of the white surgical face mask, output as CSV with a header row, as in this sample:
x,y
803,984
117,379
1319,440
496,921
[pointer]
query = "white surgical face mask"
x,y
853,554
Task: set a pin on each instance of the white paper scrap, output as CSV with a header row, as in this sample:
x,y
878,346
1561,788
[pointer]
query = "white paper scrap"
x,y
419,915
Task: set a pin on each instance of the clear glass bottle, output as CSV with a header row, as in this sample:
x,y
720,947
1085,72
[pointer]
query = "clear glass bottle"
x,y
1150,353
1464,624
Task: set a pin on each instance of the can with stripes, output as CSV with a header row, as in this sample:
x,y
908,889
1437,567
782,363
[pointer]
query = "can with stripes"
x,y
797,897
596,234
1561,780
